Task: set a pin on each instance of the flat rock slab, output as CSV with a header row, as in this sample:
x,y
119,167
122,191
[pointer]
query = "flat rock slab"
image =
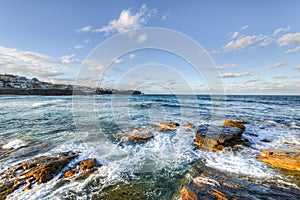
x,y
215,137
202,182
280,159
39,169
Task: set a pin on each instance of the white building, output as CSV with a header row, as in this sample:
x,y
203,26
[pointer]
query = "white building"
x,y
1,84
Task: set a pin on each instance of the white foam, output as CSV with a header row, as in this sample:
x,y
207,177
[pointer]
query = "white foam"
x,y
239,163
14,144
44,103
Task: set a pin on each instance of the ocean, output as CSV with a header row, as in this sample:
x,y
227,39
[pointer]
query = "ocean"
x,y
152,169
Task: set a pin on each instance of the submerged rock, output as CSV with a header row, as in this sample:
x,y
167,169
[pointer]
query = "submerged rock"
x,y
202,182
36,170
235,123
21,147
139,134
188,125
280,159
216,138
83,168
167,126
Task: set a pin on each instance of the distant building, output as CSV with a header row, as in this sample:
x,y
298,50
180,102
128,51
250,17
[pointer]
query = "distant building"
x,y
1,84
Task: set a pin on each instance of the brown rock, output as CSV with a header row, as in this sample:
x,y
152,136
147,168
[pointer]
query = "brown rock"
x,y
216,138
69,174
234,123
140,134
283,160
202,182
167,126
83,168
188,125
219,195
188,195
39,169
87,164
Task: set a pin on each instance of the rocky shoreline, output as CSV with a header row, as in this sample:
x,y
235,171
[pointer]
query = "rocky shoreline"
x,y
200,182
62,92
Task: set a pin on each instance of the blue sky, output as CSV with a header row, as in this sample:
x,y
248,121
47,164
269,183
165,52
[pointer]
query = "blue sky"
x,y
254,44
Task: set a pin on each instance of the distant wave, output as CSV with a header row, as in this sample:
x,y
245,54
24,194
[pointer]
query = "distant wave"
x,y
47,103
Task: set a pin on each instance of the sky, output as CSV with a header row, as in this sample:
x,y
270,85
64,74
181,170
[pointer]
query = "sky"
x,y
253,45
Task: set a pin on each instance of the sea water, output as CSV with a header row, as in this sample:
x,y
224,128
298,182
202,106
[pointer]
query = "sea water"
x,y
90,124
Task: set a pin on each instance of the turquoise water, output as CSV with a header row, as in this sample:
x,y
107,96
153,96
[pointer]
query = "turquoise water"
x,y
155,168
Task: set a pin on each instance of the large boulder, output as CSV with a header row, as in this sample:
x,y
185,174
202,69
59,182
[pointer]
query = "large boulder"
x,y
216,138
83,168
39,169
137,135
202,182
281,159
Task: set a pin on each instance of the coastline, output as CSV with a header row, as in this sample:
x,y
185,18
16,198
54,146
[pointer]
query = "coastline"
x,y
60,92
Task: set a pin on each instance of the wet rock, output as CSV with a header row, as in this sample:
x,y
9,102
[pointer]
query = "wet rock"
x,y
188,195
167,126
284,160
294,148
136,135
235,123
83,168
216,138
202,182
36,170
266,140
188,125
21,147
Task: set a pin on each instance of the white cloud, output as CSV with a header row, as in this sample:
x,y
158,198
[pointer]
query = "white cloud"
x,y
67,59
128,21
78,46
165,16
94,65
276,65
293,50
26,56
244,27
234,35
222,67
253,80
232,75
279,77
142,38
290,38
117,61
240,43
132,56
29,63
297,68
83,44
227,66
84,29
281,30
